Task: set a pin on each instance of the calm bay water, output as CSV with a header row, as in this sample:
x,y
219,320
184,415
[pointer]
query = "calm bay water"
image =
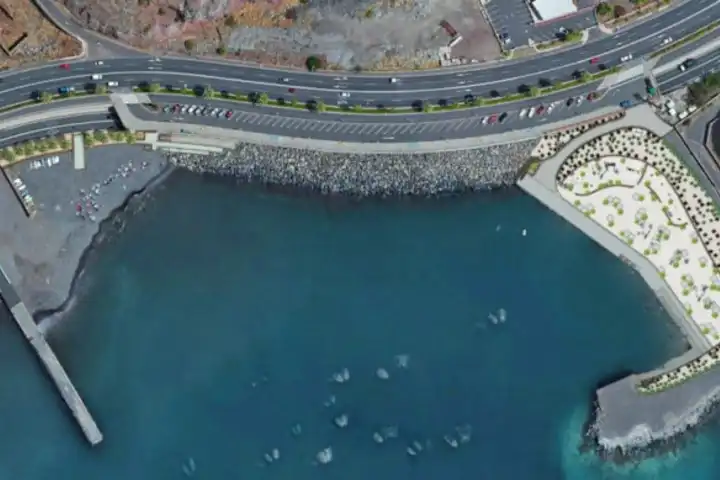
x,y
213,324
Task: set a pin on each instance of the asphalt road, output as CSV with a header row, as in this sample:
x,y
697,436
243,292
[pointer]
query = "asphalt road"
x,y
55,127
376,128
675,79
500,78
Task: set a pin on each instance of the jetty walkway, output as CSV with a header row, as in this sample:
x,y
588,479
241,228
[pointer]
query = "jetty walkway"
x,y
37,340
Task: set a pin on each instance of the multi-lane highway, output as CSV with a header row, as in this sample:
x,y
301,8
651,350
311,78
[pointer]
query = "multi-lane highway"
x,y
129,68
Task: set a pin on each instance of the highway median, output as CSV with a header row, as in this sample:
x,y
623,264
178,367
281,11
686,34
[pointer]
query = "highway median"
x,y
471,101
687,39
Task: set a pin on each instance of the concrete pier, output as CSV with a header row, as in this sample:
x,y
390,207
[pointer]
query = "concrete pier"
x,y
626,418
31,332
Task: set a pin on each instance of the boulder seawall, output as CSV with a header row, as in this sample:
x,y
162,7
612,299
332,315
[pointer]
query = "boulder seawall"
x,y
367,174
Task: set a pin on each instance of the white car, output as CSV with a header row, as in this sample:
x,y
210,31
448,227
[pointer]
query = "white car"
x,y
626,58
550,108
96,76
667,40
112,84
531,113
393,80
523,112
485,120
682,67
99,62
345,94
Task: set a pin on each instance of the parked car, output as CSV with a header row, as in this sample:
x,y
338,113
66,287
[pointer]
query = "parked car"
x,y
570,102
531,113
579,99
503,116
689,63
626,103
523,112
540,110
493,118
485,120
550,108
229,114
592,96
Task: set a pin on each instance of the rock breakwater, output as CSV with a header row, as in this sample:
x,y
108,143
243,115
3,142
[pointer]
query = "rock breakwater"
x,y
367,174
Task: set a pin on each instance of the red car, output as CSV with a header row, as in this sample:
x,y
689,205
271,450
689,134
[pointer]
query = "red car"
x,y
493,118
65,66
591,96
291,90
540,110
229,114
594,60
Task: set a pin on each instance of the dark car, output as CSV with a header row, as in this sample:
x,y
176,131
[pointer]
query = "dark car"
x,y
540,110
626,103
569,102
503,116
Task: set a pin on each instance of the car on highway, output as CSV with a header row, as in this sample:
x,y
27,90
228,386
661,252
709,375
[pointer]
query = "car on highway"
x,y
594,60
65,66
66,89
291,90
345,94
96,76
99,62
667,41
285,80
112,84
626,58
393,80
689,63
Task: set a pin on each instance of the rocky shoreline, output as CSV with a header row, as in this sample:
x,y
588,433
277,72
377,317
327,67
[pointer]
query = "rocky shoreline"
x,y
367,174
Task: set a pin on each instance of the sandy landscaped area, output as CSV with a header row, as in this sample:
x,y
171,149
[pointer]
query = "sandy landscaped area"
x,y
634,186
364,34
26,36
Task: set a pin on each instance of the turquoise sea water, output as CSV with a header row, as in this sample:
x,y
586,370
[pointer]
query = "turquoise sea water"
x,y
213,325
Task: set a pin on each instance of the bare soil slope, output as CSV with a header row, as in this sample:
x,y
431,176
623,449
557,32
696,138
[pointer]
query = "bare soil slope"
x,y
26,36
347,33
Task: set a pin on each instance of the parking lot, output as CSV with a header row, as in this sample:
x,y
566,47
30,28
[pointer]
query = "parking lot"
x,y
512,18
328,128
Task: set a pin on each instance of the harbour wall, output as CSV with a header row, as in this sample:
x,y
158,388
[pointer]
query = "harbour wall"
x,y
626,421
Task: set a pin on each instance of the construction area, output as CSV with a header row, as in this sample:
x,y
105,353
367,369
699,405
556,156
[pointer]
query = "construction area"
x,y
343,34
26,36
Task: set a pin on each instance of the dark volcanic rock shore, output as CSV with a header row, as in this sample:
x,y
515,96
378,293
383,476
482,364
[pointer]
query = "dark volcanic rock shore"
x,y
367,174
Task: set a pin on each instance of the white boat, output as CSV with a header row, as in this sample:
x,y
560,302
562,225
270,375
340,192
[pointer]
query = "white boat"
x,y
382,374
324,456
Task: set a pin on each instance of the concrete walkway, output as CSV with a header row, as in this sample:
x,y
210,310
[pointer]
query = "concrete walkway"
x,y
543,187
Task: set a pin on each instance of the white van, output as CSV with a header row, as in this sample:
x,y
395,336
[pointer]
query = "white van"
x,y
96,76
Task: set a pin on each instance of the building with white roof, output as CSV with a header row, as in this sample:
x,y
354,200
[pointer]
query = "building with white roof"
x,y
544,10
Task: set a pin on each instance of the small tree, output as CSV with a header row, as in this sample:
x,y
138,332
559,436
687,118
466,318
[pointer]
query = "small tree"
x,y
51,143
221,50
320,106
64,143
533,91
31,147
45,97
189,45
585,77
603,9
8,154
619,11
314,63
263,99
100,136
153,87
294,102
427,107
88,139
100,89
208,92
41,146
130,137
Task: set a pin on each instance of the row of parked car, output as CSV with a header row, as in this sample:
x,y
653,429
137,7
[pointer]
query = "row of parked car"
x,y
547,110
200,110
